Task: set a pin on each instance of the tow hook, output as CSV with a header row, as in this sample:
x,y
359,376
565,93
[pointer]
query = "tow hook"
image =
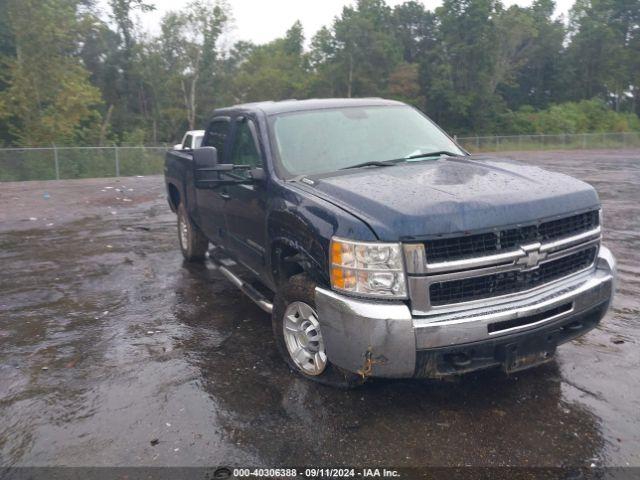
x,y
459,360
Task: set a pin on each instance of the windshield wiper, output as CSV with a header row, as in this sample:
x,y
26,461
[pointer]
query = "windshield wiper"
x,y
389,163
374,163
433,154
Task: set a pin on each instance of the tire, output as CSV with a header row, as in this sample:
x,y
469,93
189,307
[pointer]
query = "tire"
x,y
193,243
297,295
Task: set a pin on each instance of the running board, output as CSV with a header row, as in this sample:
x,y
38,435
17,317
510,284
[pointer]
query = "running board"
x,y
245,287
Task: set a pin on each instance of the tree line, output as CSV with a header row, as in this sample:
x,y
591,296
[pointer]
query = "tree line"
x,y
71,74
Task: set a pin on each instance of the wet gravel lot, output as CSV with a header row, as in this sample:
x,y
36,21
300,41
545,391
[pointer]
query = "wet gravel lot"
x,y
115,352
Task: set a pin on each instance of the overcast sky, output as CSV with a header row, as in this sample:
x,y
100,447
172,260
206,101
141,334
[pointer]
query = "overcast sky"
x,y
264,20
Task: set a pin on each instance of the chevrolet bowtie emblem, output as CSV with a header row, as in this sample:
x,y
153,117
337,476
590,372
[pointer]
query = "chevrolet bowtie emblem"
x,y
531,256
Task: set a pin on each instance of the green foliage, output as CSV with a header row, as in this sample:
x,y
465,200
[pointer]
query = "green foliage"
x,y
69,75
604,49
404,85
356,56
586,116
539,80
49,98
185,59
414,29
460,72
277,69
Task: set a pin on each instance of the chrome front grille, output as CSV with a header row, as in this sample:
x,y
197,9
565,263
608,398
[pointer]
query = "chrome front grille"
x,y
454,248
506,262
512,281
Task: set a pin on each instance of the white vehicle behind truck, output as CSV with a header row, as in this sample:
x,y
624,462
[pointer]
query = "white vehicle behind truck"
x,y
192,139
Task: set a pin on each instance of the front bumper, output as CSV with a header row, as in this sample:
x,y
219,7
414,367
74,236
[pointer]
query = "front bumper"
x,y
383,339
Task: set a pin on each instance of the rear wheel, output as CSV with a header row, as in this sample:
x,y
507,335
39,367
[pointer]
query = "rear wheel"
x,y
193,243
299,337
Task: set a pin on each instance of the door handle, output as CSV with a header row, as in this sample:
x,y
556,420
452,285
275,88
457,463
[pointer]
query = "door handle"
x,y
224,195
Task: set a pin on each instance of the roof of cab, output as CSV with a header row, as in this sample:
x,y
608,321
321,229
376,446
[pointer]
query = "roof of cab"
x,y
285,106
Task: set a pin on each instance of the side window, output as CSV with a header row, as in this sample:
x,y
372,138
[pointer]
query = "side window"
x,y
187,142
216,136
244,150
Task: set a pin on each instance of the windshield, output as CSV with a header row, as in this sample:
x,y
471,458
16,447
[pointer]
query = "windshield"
x,y
321,141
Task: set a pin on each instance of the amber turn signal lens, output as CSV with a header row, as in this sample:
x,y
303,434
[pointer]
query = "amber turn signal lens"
x,y
342,277
337,277
336,253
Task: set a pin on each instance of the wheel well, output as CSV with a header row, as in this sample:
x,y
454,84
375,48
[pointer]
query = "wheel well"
x,y
285,263
174,196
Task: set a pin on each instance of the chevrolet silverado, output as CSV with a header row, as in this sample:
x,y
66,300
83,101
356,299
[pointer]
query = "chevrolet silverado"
x,y
381,248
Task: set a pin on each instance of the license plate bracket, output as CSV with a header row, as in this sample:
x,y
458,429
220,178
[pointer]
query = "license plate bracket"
x,y
528,352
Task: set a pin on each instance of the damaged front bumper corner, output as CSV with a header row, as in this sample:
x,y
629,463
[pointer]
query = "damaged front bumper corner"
x,y
384,339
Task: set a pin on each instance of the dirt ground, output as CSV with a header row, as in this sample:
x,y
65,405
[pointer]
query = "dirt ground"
x,y
114,352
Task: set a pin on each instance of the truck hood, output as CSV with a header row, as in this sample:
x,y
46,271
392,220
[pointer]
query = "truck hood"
x,y
415,200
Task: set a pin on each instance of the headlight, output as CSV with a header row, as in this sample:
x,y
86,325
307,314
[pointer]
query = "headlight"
x,y
368,269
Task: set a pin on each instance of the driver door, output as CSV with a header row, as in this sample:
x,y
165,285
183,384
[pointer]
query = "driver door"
x,y
245,209
210,202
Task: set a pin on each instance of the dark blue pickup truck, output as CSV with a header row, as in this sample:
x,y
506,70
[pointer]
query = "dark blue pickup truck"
x,y
383,249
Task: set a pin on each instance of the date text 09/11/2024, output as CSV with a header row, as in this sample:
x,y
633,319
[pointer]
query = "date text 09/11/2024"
x,y
317,472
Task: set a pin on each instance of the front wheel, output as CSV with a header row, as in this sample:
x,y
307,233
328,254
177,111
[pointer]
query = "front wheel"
x,y
299,337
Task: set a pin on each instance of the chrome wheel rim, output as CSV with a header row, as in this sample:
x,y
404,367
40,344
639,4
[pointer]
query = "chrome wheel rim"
x,y
183,232
303,338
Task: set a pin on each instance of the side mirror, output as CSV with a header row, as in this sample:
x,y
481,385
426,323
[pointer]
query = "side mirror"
x,y
205,157
177,146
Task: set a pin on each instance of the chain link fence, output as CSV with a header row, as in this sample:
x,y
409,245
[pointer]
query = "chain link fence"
x,y
561,141
58,163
